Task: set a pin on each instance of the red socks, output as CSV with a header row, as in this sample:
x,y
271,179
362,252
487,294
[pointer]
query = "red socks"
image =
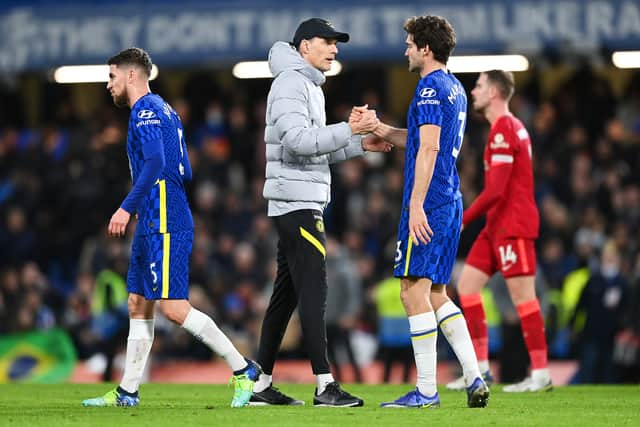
x,y
477,324
533,332
530,321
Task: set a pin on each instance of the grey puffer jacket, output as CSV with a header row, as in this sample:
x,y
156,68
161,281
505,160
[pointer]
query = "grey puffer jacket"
x,y
299,145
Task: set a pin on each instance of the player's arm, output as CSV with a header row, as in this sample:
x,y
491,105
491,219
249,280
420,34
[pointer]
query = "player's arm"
x,y
394,136
154,163
419,229
495,187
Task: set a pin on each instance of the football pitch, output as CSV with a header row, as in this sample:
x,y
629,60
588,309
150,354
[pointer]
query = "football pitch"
x,y
208,405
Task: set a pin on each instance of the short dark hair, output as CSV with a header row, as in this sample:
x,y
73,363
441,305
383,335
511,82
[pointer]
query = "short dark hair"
x,y
434,31
133,56
504,81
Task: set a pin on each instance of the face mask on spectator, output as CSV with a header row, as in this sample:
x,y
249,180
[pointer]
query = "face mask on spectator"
x,y
609,270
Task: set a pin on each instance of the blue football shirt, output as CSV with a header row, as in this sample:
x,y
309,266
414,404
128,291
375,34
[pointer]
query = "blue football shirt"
x,y
154,125
439,100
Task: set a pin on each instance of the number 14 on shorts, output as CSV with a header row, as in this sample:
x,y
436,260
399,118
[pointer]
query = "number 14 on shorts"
x,y
508,257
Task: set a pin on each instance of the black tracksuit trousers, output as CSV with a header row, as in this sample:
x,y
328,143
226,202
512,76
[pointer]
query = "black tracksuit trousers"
x,y
301,281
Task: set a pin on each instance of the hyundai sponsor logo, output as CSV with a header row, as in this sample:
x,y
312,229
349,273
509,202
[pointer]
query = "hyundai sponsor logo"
x,y
148,122
427,92
146,114
428,102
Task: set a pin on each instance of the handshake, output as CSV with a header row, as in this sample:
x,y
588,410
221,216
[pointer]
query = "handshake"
x,y
362,120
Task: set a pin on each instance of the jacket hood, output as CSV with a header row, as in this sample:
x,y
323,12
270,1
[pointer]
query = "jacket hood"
x,y
283,56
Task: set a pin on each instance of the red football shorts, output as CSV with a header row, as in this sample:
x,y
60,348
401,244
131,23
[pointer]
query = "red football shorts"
x,y
512,256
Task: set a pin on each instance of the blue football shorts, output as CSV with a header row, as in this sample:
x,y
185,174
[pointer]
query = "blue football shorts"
x,y
434,260
159,267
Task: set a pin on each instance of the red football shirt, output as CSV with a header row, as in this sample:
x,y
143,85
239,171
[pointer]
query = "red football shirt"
x,y
507,198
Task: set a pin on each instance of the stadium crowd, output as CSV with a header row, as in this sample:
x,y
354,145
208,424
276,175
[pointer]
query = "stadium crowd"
x,y
60,182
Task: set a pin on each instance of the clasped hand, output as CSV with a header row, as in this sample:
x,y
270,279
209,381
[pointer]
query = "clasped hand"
x,y
362,120
366,120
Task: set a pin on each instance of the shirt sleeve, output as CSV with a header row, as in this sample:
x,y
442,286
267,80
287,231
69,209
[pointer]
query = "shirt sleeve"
x,y
354,149
151,170
502,145
428,104
497,179
148,133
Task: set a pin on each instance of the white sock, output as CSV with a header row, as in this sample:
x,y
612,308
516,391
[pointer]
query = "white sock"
x,y
322,381
205,329
424,333
263,383
540,376
454,328
483,365
138,347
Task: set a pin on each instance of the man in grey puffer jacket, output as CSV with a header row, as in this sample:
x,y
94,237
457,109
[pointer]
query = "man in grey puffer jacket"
x,y
300,147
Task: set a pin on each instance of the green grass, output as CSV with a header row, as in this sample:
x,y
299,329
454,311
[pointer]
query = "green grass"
x,y
185,405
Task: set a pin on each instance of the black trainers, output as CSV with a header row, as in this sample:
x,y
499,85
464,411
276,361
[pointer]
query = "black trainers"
x,y
334,396
272,396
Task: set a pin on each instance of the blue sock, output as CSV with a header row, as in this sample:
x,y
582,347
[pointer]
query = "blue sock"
x,y
243,370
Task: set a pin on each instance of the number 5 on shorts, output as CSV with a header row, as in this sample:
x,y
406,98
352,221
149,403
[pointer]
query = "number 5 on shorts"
x,y
153,273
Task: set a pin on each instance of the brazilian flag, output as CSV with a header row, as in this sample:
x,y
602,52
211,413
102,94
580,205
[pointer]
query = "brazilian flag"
x,y
37,357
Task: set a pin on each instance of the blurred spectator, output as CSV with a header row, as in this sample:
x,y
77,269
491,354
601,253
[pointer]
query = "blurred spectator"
x,y
77,316
344,300
17,238
626,128
604,301
109,316
393,328
626,352
555,262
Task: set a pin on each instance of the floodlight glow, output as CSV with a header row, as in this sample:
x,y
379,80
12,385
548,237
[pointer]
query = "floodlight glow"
x,y
626,59
260,70
479,63
88,74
